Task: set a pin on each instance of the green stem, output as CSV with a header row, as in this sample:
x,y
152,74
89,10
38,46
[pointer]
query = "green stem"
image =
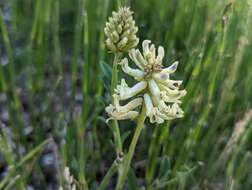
x,y
114,73
129,156
119,3
115,127
108,175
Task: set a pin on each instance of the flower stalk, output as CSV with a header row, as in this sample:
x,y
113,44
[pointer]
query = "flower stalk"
x,y
129,156
121,36
114,72
115,127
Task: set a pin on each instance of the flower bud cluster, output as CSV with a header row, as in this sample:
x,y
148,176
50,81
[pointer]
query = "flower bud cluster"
x,y
120,31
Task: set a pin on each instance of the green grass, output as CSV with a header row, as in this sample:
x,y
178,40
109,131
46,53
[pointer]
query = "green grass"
x,y
57,83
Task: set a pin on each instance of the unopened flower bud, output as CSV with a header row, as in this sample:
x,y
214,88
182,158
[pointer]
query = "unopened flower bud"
x,y
120,31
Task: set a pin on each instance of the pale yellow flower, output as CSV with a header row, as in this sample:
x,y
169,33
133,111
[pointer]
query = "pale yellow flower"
x,y
160,94
118,112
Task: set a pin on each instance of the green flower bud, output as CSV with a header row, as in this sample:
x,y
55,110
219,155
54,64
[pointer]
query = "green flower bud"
x,y
120,31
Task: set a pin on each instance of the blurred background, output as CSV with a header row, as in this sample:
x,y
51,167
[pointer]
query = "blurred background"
x,y
55,75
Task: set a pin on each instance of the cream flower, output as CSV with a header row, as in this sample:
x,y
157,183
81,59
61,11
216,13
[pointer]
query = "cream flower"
x,y
161,95
118,112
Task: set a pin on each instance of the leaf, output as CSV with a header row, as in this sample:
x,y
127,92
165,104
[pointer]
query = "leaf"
x,y
165,167
180,179
32,153
27,157
106,73
125,135
103,120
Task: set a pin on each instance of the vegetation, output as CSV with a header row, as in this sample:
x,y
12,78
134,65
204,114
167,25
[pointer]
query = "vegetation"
x,y
55,82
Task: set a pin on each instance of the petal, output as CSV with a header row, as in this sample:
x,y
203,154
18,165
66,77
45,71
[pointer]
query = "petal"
x,y
114,14
140,58
164,111
129,115
161,54
151,111
174,111
119,112
160,103
132,42
110,45
148,104
122,87
145,47
171,69
163,115
157,117
153,51
132,55
163,78
153,87
174,84
129,106
169,99
126,33
136,73
115,37
126,93
109,109
121,44
123,115
119,28
169,91
179,111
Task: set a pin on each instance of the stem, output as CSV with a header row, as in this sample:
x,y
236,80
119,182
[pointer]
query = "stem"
x,y
114,73
119,3
129,156
108,175
117,137
115,127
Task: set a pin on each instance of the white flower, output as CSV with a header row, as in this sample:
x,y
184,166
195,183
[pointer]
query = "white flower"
x,y
161,95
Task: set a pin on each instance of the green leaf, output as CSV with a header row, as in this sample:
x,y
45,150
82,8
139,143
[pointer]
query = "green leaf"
x,y
106,73
125,135
165,167
25,159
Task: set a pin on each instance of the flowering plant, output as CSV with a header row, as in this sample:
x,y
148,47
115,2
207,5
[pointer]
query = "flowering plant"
x,y
155,94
